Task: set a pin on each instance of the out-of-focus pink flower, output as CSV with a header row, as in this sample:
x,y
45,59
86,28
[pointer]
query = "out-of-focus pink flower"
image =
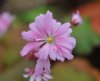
x,y
76,18
51,38
5,21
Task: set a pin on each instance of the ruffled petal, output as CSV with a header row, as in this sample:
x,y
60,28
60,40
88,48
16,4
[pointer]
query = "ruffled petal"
x,y
48,23
66,53
47,66
29,47
62,30
67,42
44,52
53,52
29,36
42,66
39,67
39,23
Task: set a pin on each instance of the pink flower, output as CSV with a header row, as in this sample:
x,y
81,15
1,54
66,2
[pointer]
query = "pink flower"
x,y
76,18
48,38
5,21
42,71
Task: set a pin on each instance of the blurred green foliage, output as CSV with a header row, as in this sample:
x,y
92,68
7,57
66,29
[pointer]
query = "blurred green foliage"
x,y
12,42
29,15
15,73
13,63
86,37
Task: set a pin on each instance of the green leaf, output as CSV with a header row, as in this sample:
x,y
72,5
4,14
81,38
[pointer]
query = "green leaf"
x,y
29,15
86,38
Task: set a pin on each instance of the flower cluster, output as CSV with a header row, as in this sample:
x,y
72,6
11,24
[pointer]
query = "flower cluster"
x,y
5,21
47,39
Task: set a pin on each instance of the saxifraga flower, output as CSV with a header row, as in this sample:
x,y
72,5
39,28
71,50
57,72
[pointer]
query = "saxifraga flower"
x,y
47,39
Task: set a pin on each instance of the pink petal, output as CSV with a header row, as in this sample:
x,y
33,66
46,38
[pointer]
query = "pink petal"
x,y
48,76
55,25
38,78
47,66
56,53
29,47
29,36
34,29
72,41
68,56
39,23
42,65
44,52
66,53
67,42
48,23
39,67
62,30
59,57
53,52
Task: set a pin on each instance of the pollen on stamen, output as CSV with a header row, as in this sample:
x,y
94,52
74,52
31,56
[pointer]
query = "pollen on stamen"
x,y
50,39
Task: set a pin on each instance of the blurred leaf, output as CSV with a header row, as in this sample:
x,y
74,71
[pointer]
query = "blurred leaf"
x,y
15,73
86,38
29,15
66,72
12,45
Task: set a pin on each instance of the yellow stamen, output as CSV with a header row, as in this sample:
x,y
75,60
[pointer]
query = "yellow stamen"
x,y
50,39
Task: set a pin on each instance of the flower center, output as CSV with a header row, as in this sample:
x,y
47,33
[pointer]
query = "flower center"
x,y
50,39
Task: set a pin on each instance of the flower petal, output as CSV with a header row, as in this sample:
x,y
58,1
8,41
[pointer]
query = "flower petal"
x,y
66,53
47,66
44,52
42,66
39,67
32,78
63,29
38,78
48,23
60,57
67,42
29,36
53,52
26,75
39,23
29,47
48,76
